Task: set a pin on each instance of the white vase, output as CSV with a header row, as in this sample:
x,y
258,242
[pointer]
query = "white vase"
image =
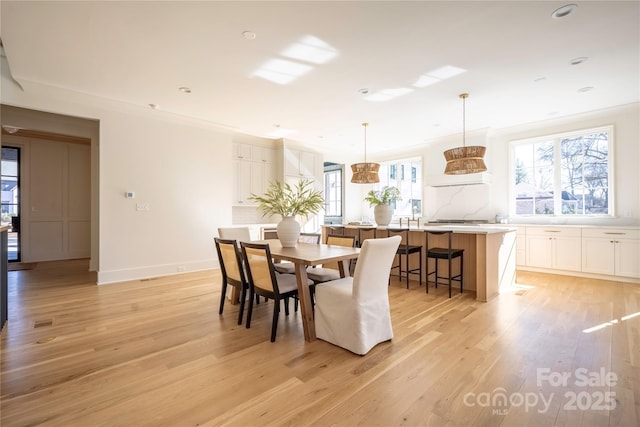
x,y
382,214
288,231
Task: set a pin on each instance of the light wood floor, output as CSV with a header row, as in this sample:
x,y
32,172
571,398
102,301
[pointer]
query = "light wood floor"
x,y
156,353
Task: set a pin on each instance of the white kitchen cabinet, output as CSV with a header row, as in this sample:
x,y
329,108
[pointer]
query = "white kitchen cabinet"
x,y
253,172
242,151
242,182
611,251
521,245
554,247
299,163
263,154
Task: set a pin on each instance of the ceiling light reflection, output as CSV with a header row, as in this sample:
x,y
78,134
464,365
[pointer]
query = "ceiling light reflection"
x,y
311,49
282,71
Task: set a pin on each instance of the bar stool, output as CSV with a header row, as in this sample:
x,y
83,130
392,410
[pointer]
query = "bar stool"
x,y
365,233
406,250
448,254
335,230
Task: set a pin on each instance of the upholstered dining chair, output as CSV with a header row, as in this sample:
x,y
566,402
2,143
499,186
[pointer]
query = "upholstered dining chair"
x,y
265,281
241,234
330,271
288,267
353,312
232,270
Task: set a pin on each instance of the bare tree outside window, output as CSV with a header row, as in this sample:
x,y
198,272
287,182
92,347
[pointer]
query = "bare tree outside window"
x,y
563,175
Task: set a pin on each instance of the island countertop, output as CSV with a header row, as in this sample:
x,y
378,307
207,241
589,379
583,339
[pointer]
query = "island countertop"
x,y
456,228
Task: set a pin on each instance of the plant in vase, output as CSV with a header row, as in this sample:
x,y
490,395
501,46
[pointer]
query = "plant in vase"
x,y
289,201
381,200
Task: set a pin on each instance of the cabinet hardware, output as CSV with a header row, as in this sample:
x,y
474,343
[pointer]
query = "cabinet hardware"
x,y
552,231
617,234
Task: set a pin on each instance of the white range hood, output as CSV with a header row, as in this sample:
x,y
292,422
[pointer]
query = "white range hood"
x,y
442,180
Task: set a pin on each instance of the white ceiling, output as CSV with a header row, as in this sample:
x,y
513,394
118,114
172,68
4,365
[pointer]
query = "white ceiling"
x,y
515,55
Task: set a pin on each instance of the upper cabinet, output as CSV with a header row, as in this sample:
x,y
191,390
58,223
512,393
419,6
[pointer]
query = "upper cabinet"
x,y
254,169
242,151
300,163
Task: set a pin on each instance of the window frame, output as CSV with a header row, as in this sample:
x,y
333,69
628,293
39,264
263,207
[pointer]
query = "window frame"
x,y
557,138
389,180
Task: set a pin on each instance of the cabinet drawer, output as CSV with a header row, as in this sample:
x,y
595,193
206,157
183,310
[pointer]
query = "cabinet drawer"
x,y
610,233
554,231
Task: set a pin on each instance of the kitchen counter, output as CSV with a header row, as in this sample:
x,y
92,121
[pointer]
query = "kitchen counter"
x,y
489,252
456,228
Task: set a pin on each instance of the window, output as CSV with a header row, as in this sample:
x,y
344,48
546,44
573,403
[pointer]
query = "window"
x,y
410,186
564,174
333,192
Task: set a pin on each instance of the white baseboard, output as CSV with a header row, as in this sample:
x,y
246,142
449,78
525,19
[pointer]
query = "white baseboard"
x,y
138,273
580,274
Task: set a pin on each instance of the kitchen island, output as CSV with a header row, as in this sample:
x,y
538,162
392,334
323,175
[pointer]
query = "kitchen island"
x,y
489,252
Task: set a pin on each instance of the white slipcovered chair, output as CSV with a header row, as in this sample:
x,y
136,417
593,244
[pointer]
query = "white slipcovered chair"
x,y
241,234
353,312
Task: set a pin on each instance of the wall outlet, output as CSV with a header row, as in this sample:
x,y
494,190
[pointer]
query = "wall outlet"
x,y
142,206
181,268
628,214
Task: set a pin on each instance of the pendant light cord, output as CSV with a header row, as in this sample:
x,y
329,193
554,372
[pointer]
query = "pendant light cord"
x,y
365,141
464,99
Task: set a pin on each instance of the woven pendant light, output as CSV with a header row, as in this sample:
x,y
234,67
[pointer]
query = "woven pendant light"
x,y
365,173
465,160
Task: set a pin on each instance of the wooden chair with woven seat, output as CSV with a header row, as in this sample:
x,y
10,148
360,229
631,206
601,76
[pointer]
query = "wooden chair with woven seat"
x,y
447,253
405,250
330,271
265,281
289,267
232,269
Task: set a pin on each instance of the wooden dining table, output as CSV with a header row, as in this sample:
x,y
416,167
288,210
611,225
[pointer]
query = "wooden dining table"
x,y
306,254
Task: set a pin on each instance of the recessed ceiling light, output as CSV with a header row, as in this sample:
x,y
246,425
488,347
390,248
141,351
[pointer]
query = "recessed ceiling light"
x,y
540,80
249,35
585,89
564,11
363,91
154,106
579,60
184,89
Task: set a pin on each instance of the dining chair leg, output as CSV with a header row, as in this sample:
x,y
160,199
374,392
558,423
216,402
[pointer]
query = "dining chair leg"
x,y
243,297
250,311
274,324
223,294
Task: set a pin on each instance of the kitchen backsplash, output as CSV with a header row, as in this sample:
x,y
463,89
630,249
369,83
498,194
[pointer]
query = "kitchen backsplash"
x,y
472,202
248,215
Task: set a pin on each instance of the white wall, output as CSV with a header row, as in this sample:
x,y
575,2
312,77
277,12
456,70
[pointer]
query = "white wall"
x,y
179,167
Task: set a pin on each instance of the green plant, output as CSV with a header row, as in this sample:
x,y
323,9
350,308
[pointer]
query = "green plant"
x,y
383,197
287,200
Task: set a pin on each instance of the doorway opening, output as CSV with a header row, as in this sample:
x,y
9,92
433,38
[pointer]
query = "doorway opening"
x,y
10,207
